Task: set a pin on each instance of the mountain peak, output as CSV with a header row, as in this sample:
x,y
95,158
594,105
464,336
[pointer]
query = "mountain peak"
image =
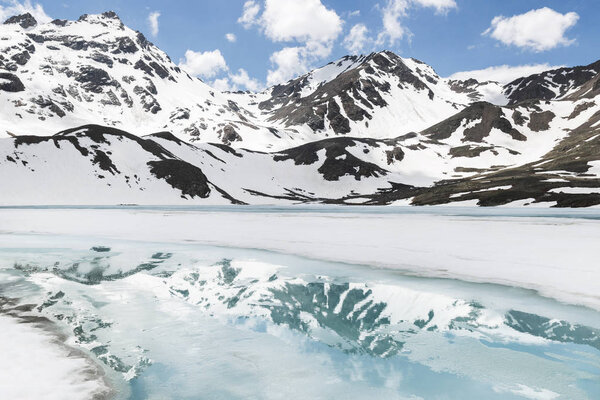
x,y
25,20
110,15
106,18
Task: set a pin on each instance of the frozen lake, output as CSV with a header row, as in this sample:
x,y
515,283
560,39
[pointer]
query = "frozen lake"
x,y
272,303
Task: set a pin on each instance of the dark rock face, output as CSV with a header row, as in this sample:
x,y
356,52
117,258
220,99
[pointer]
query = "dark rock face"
x,y
160,70
10,83
490,116
541,121
581,108
140,64
93,79
535,181
25,20
102,134
142,41
126,45
103,59
104,162
189,179
519,118
537,87
21,58
149,102
230,135
180,114
185,177
338,122
111,15
357,91
59,22
150,87
467,151
397,154
166,136
45,102
338,160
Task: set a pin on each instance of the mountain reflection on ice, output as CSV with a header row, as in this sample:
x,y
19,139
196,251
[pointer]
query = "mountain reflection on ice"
x,y
181,321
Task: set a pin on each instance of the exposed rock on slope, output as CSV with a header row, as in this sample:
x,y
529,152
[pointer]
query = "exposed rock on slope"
x,y
96,70
555,84
375,129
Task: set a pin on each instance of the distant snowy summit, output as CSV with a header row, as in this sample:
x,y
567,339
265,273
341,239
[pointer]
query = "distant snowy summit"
x,y
374,129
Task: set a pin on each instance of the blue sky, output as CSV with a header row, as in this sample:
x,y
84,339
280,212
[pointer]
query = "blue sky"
x,y
447,34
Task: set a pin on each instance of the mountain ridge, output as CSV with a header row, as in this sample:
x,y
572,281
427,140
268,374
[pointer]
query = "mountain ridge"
x,y
370,129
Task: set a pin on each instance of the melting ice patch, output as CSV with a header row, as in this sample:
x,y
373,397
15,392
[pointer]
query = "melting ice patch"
x,y
251,324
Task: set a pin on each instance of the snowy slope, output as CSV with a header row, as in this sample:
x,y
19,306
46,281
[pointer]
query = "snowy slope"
x,y
380,95
63,74
375,129
96,70
100,165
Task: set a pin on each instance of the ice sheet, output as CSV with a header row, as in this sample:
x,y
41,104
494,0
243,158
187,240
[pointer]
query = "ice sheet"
x,y
555,256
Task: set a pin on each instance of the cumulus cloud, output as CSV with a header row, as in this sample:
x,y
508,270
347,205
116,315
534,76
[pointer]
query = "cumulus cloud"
x,y
395,11
288,63
234,82
300,20
241,79
16,8
230,37
153,22
538,30
357,39
440,6
250,14
307,25
206,64
503,73
221,84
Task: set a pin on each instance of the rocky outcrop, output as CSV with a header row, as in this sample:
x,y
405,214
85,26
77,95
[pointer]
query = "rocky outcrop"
x,y
353,95
230,135
24,20
187,178
551,84
486,116
10,83
337,161
93,79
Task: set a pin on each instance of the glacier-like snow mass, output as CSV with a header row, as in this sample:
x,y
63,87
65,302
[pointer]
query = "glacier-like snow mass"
x,y
154,310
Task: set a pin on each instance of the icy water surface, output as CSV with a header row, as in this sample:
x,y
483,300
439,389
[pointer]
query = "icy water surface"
x,y
184,321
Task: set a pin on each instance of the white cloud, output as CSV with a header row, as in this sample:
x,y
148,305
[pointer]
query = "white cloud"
x,y
300,20
153,22
503,73
441,6
308,23
537,30
221,85
357,39
355,13
289,62
241,79
393,29
204,64
17,8
235,82
230,37
396,10
250,14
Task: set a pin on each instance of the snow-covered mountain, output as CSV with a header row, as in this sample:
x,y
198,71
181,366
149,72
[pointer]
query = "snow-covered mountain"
x,y
375,129
96,70
379,96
